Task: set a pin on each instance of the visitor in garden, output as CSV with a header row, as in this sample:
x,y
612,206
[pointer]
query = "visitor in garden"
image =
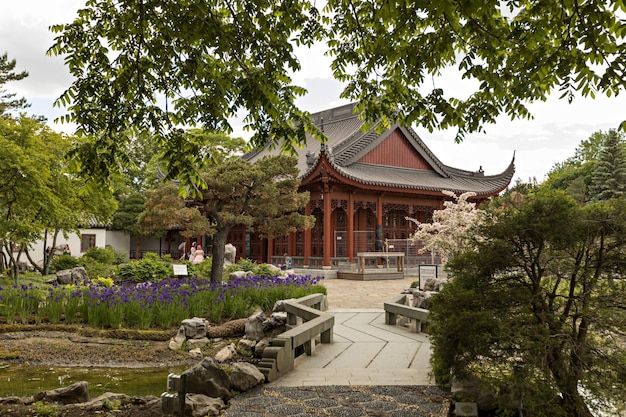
x,y
66,250
181,250
199,255
192,251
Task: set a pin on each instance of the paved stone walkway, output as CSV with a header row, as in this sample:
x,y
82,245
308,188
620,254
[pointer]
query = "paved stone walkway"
x,y
370,369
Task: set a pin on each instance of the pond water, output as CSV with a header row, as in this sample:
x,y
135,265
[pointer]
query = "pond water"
x,y
24,380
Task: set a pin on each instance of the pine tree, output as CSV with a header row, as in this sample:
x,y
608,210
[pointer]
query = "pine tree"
x,y
609,175
7,73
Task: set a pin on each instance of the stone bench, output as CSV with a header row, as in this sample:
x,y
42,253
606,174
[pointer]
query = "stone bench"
x,y
397,306
279,357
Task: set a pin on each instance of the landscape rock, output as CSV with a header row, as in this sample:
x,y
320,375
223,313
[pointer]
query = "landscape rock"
x,y
199,405
195,328
209,379
245,376
99,402
421,299
75,276
197,342
240,274
260,346
226,353
230,254
275,324
280,305
246,345
195,353
75,393
254,326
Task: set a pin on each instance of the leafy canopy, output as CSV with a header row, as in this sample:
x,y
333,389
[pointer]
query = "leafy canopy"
x,y
158,66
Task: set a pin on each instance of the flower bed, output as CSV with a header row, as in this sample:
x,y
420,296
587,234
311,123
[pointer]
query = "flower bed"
x,y
145,305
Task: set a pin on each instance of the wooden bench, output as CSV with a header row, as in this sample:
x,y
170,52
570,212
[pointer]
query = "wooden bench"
x,y
397,306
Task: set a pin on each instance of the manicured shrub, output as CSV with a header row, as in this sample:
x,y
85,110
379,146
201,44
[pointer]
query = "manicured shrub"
x,y
102,255
149,268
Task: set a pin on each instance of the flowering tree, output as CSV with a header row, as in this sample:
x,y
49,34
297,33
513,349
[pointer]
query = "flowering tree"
x,y
450,231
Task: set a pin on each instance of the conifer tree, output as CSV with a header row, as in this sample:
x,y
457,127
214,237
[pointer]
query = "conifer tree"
x,y
609,175
7,73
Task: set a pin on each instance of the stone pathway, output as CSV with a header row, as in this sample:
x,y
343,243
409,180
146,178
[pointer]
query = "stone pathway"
x,y
370,369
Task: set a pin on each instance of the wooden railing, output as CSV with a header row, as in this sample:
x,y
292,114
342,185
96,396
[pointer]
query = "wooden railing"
x,y
279,357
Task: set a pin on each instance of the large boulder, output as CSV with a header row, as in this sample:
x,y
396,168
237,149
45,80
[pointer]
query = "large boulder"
x,y
75,393
199,405
255,326
75,276
209,379
245,376
239,275
195,328
230,253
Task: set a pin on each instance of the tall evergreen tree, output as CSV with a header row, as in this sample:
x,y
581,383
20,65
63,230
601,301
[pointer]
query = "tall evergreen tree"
x,y
608,178
7,73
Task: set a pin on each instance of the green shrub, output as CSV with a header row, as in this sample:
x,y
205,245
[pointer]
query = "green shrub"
x,y
121,255
150,268
264,270
201,270
249,265
98,269
62,262
102,255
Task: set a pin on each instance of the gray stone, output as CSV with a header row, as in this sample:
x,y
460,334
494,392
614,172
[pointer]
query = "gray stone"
x,y
195,353
209,379
275,324
260,346
230,254
180,335
75,393
75,276
254,326
199,405
421,299
195,328
245,376
280,305
99,402
198,342
226,353
246,344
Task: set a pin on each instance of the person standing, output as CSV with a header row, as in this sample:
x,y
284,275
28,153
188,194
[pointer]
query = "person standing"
x,y
198,256
66,250
192,251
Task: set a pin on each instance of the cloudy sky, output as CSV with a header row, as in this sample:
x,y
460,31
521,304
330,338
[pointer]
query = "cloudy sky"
x,y
537,144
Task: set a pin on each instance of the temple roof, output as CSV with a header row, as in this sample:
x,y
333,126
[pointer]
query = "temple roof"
x,y
348,145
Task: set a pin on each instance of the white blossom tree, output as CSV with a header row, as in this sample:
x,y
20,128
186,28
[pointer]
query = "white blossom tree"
x,y
449,233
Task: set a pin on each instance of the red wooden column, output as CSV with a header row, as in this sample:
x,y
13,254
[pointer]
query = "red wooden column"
x,y
328,241
350,214
270,250
379,226
291,244
307,238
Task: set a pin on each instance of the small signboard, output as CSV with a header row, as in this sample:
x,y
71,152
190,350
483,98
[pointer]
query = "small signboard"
x,y
426,272
180,269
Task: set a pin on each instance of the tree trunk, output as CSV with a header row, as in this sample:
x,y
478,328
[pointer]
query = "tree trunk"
x,y
567,382
217,253
137,246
